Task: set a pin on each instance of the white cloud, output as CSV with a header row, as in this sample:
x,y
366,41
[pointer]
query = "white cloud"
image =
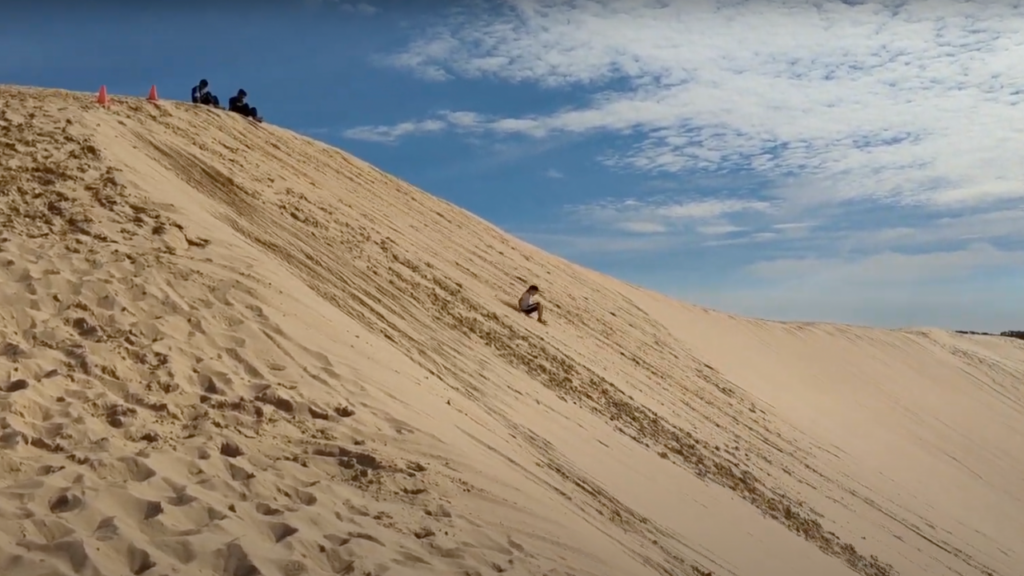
x,y
719,229
990,225
361,8
911,103
888,267
640,227
552,173
747,239
657,216
603,245
871,132
392,133
710,208
960,289
465,119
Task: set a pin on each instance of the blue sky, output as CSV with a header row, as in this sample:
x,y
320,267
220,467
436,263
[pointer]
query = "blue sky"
x,y
845,161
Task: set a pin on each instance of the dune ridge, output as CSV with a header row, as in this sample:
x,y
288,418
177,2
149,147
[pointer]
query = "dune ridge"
x,y
230,349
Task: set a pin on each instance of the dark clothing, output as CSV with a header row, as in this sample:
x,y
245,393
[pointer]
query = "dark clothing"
x,y
204,97
242,108
529,309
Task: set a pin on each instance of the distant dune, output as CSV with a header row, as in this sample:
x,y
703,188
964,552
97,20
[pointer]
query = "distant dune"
x,y
230,350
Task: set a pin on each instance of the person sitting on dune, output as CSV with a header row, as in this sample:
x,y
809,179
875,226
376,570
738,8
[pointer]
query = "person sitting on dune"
x,y
202,95
528,306
238,104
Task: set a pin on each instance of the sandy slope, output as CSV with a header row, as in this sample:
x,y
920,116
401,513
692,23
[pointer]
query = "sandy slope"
x,y
228,349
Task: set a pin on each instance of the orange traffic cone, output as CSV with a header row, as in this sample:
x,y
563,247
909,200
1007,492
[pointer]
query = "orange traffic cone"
x,y
102,98
152,94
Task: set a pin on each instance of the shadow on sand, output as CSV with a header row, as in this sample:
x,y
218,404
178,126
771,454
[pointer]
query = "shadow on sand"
x,y
515,306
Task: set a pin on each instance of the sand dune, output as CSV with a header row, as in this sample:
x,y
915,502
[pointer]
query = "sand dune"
x,y
231,350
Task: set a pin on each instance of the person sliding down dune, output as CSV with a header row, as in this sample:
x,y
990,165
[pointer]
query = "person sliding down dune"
x,y
238,104
528,306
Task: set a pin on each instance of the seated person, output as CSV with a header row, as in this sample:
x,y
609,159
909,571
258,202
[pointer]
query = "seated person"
x,y
202,95
238,104
528,306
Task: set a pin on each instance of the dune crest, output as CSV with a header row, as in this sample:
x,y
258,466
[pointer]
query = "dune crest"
x,y
228,349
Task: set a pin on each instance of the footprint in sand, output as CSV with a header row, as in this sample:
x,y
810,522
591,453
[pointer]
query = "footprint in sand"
x,y
276,399
139,560
181,499
106,529
48,470
299,496
258,313
238,473
236,561
16,385
52,529
409,560
151,509
264,509
70,552
64,503
229,341
137,469
232,321
281,531
248,367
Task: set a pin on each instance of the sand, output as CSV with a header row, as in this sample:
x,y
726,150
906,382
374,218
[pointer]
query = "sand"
x,y
227,349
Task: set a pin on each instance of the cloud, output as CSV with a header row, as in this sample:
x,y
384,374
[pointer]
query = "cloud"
x,y
640,227
719,229
993,225
968,288
710,208
888,267
660,215
552,173
360,8
599,245
865,152
903,103
751,238
392,133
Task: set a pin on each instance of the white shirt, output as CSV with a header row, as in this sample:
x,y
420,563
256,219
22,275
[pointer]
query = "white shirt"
x,y
525,301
